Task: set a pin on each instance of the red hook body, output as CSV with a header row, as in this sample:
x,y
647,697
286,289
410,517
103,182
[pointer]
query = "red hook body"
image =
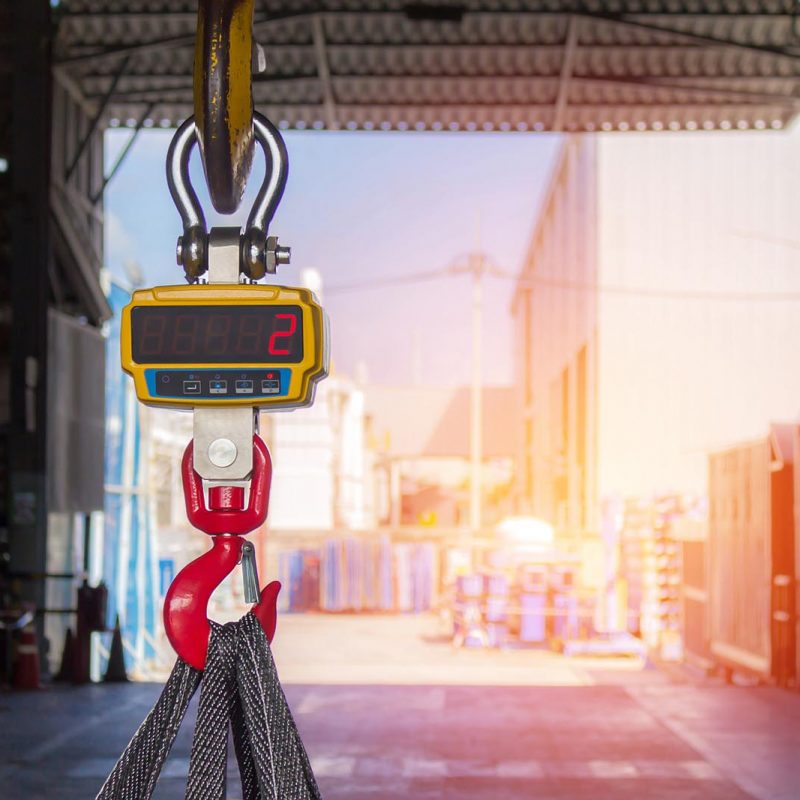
x,y
186,603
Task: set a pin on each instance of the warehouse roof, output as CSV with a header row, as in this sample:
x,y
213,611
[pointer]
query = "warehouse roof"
x,y
782,440
454,64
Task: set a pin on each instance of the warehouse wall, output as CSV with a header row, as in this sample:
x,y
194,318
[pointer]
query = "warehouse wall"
x,y
627,373
681,376
555,340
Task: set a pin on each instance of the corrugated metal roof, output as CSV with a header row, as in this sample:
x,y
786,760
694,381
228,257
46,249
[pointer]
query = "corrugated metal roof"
x,y
495,64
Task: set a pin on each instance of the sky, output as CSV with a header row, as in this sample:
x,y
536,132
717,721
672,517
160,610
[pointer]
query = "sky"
x,y
361,207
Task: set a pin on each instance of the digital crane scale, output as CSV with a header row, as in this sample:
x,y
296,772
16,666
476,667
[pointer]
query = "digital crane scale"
x,y
225,345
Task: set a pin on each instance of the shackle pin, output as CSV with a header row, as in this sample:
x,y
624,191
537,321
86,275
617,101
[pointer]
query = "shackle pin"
x,y
259,253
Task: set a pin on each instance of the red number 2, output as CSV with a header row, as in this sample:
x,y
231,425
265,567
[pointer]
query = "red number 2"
x,y
273,350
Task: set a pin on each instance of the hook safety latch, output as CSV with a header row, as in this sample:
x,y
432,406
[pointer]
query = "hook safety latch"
x,y
225,511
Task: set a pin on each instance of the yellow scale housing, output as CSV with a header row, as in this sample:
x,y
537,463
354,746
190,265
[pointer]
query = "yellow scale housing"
x,y
258,380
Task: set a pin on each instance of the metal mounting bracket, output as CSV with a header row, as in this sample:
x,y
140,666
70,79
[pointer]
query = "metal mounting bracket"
x,y
223,437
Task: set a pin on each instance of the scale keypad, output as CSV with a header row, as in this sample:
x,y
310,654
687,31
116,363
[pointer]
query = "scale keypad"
x,y
218,384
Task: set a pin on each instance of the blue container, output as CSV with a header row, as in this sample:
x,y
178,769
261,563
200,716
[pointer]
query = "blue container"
x,y
469,585
496,609
532,623
385,578
497,585
565,620
298,572
309,595
497,633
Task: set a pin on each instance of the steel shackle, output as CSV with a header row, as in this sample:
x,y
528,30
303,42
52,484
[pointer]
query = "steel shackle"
x,y
260,253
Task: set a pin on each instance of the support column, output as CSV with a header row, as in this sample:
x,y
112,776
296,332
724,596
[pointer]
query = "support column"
x,y
30,257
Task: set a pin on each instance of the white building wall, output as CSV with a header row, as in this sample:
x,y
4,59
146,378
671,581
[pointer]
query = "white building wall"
x,y
323,476
302,446
679,376
355,486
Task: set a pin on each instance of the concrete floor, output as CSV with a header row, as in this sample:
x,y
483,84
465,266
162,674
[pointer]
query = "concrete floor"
x,y
388,710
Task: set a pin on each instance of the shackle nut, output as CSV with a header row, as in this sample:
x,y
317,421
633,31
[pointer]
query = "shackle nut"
x,y
262,255
277,254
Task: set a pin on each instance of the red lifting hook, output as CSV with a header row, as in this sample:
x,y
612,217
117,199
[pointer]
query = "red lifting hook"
x,y
186,603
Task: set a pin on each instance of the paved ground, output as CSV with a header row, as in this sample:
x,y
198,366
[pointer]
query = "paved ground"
x,y
586,730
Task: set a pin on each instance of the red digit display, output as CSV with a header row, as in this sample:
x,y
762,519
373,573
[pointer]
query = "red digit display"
x,y
151,339
248,334
283,335
184,339
218,333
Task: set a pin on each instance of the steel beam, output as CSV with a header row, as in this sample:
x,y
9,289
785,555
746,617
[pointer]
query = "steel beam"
x,y
324,71
123,154
74,91
633,21
690,86
566,74
94,124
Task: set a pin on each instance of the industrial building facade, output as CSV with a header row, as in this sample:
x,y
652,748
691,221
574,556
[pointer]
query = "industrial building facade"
x,y
652,260
556,339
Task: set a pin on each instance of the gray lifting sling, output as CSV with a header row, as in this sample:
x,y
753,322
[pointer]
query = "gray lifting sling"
x,y
240,689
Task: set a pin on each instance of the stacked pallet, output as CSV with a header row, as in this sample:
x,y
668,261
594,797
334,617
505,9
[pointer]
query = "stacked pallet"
x,y
530,621
469,629
535,604
497,590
